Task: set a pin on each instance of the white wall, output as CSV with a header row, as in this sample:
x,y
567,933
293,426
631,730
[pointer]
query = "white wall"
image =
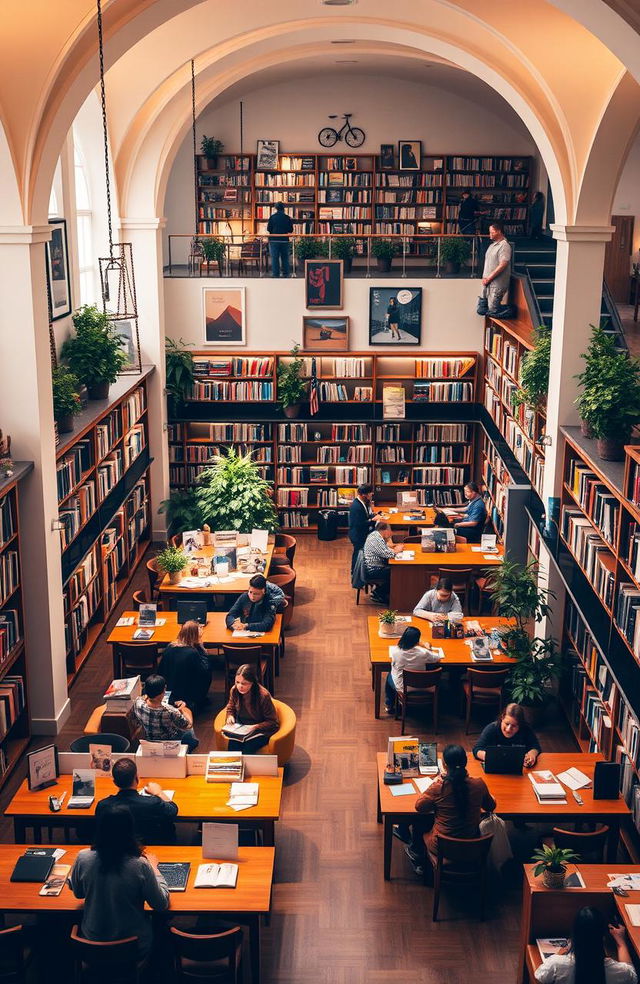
x,y
627,197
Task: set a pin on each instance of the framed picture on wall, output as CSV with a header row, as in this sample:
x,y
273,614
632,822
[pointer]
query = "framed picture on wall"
x,y
130,342
323,283
387,157
224,316
409,155
395,315
58,278
329,334
267,155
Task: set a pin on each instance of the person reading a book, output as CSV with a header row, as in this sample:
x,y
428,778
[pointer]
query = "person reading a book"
x,y
586,960
378,550
407,655
186,667
474,514
153,814
250,704
452,805
510,729
163,722
255,610
438,602
115,879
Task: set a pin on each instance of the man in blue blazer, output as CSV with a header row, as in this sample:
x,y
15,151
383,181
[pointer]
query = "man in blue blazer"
x,y
361,520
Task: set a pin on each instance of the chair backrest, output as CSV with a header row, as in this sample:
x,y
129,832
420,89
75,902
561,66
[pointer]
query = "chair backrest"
x,y
235,656
215,946
455,573
484,680
289,543
471,851
141,657
286,582
120,954
460,539
139,598
155,575
421,679
589,842
117,743
176,540
250,249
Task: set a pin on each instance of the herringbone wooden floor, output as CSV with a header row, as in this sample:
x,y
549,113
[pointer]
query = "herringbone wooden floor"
x,y
335,920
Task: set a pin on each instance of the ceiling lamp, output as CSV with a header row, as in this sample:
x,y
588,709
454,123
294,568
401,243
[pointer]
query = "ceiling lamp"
x,y
338,3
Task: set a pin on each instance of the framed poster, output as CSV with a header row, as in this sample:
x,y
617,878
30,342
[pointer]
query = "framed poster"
x,y
42,767
395,315
409,155
387,157
129,341
224,316
58,270
330,334
267,155
323,283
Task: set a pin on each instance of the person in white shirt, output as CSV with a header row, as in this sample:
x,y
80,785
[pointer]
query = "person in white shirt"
x,y
586,960
407,655
496,274
438,602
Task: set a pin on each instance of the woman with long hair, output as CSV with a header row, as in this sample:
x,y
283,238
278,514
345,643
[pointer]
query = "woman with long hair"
x,y
586,960
115,879
250,704
510,729
186,668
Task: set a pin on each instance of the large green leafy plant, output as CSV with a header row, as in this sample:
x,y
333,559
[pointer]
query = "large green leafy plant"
x,y
94,354
182,511
454,249
179,369
233,495
610,399
291,385
534,373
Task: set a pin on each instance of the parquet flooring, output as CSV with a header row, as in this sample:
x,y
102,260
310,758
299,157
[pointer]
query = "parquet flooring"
x,y
335,920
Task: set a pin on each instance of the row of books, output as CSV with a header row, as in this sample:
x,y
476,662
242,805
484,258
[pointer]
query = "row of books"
x,y
338,179
341,212
109,473
391,454
342,475
439,476
511,358
134,444
76,512
633,549
459,163
233,367
223,180
333,454
335,227
297,196
595,498
72,467
490,181
78,617
634,487
437,368
12,701
339,393
443,392
108,433
7,519
591,657
82,576
629,730
204,452
401,212
187,475
253,391
351,367
9,573
113,562
290,180
627,608
133,407
210,212
598,721
219,432
590,551
420,179
432,196
292,519
10,633
442,454
232,162
293,497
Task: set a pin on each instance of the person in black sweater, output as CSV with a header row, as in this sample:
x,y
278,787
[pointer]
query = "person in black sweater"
x,y
254,610
153,814
361,520
510,729
185,666
279,227
536,215
469,209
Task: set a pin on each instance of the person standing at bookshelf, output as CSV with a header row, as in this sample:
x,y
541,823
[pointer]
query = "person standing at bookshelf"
x,y
536,215
250,704
467,212
361,520
496,275
279,227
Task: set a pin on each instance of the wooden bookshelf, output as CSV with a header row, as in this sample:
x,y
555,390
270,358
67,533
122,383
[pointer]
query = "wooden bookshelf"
x,y
225,193
345,194
500,184
15,729
105,509
410,202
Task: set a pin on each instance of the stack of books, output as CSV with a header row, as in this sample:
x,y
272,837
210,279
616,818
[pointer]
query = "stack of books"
x,y
120,694
224,767
546,787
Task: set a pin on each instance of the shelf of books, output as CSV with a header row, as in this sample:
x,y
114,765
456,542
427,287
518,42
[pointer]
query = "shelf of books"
x,y
345,194
15,729
410,202
224,193
193,444
500,184
105,511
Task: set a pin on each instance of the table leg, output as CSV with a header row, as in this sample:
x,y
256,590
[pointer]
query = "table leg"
x,y
388,843
116,668
272,675
19,830
276,658
613,838
253,921
268,833
377,672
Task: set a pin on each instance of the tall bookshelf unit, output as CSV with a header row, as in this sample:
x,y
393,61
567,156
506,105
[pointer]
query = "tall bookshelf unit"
x,y
224,193
500,184
104,509
15,730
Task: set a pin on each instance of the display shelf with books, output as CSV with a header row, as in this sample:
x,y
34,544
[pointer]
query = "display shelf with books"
x,y
224,193
410,202
500,184
341,379
448,377
345,194
193,445
294,183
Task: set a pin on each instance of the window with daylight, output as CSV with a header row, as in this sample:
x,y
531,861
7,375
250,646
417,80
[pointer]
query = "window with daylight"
x,y
84,217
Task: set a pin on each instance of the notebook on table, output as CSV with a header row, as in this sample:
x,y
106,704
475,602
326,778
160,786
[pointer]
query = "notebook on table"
x,y
33,868
216,876
176,874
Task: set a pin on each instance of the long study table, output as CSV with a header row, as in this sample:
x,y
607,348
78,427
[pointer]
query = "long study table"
x,y
233,583
410,578
411,519
515,799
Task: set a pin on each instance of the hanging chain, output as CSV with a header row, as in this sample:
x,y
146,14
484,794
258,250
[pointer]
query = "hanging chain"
x,y
242,159
104,125
193,131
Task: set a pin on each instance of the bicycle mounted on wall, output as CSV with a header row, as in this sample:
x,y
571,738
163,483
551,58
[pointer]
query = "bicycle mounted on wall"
x,y
353,136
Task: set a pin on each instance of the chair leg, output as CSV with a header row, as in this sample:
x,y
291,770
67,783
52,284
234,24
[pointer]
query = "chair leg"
x,y
436,894
468,716
435,712
357,596
404,712
483,892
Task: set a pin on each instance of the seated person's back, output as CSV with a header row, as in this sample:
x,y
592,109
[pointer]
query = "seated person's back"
x,y
153,814
185,666
163,722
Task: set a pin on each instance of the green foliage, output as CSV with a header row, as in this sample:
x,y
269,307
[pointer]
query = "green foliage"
x,y
343,247
388,617
210,147
307,248
233,495
94,354
610,399
172,560
182,510
179,368
66,401
291,386
534,373
213,249
384,249
553,859
454,249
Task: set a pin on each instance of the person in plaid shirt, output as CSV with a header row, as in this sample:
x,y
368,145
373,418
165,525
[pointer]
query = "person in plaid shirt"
x,y
164,722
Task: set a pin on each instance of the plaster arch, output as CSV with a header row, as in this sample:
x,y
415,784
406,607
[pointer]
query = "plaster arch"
x,y
11,213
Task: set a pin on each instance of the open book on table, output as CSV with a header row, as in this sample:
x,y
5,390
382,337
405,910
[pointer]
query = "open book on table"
x,y
216,876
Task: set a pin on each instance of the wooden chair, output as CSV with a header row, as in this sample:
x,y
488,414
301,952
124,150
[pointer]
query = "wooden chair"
x,y
155,576
460,578
589,842
484,594
117,743
14,957
412,539
282,743
176,540
115,962
213,957
482,688
250,255
371,582
419,689
460,539
284,550
286,582
459,861
136,658
235,656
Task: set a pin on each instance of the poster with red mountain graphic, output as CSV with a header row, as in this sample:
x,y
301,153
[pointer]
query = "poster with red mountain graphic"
x,y
224,318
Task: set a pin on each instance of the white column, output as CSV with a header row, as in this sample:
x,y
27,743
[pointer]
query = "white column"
x,y
146,238
26,413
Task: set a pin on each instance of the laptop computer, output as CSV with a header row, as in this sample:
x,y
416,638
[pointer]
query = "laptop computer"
x,y
504,760
428,758
191,611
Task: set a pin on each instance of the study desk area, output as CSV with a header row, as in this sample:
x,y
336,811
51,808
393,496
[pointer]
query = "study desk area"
x,y
410,578
233,583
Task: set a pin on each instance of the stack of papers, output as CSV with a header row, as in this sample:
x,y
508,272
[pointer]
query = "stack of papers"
x,y
574,779
405,555
243,795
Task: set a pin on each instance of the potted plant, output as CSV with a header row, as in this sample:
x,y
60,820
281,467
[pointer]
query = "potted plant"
x,y
384,251
233,495
454,250
94,354
179,371
210,147
66,402
388,620
552,864
172,560
306,248
291,384
610,399
182,511
213,251
534,373
343,248
600,344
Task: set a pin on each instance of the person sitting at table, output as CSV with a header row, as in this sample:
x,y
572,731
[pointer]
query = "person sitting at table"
x,y
456,801
406,655
254,610
153,814
115,879
474,514
378,549
163,722
186,668
585,960
250,703
438,602
510,729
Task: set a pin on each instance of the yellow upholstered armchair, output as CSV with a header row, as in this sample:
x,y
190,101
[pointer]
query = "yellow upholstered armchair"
x,y
281,743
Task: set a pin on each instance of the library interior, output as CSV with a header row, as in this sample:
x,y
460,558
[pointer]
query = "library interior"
x,y
252,533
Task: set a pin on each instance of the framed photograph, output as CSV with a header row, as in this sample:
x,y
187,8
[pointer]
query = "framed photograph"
x,y
330,334
224,316
267,155
351,163
58,270
409,155
387,157
130,342
395,315
42,767
323,283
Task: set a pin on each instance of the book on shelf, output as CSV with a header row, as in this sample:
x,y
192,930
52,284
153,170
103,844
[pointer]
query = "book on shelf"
x,y
7,520
216,875
546,787
10,633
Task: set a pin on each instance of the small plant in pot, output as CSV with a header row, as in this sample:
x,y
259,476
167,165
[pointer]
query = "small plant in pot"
x,y
551,863
172,560
210,147
213,251
66,401
534,373
94,354
343,248
388,627
384,251
454,251
292,388
610,400
306,248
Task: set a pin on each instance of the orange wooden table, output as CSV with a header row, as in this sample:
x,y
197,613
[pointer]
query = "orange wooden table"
x,y
235,583
246,903
401,518
411,578
515,799
196,799
456,652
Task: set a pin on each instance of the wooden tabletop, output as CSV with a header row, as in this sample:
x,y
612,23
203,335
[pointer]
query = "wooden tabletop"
x,y
595,877
195,798
456,652
401,517
252,893
214,633
464,556
234,584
